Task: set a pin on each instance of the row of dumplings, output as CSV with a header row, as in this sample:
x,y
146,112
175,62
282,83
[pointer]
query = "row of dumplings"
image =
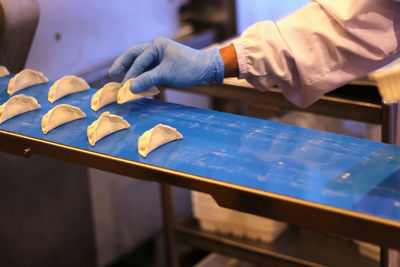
x,y
70,84
105,125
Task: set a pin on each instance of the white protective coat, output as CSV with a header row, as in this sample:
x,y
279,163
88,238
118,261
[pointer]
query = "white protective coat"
x,y
320,47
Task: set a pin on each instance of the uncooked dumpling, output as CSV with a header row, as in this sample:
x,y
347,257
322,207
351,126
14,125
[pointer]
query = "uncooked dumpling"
x,y
24,79
156,137
67,85
105,125
126,95
17,105
60,115
4,71
106,95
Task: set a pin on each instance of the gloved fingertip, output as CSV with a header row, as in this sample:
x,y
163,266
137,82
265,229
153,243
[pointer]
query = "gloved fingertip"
x,y
126,78
111,73
136,87
115,71
144,82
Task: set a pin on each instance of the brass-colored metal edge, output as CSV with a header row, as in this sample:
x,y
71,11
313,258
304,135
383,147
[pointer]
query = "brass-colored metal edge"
x,y
292,210
364,82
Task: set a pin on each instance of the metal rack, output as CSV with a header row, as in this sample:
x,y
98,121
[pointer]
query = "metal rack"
x,y
345,103
293,210
295,247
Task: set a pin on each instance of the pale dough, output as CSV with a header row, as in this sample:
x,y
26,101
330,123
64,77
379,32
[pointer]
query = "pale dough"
x,y
106,95
60,115
156,137
17,105
67,85
105,125
4,71
24,79
126,95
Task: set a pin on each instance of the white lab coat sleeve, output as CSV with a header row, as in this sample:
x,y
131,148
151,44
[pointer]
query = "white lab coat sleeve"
x,y
320,47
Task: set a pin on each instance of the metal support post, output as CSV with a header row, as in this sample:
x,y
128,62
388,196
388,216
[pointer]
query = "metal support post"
x,y
168,222
389,123
389,132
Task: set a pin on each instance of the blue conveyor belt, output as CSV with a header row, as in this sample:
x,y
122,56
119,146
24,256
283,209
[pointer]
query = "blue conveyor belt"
x,y
325,168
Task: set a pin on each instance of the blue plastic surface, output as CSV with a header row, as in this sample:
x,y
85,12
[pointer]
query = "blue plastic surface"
x,y
325,168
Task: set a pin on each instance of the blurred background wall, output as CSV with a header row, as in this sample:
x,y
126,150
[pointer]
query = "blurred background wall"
x,y
76,35
249,12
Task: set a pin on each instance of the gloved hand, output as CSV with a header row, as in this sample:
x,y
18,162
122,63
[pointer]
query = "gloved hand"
x,y
164,61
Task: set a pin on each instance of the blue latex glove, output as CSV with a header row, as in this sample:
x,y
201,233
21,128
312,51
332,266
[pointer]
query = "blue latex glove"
x,y
164,61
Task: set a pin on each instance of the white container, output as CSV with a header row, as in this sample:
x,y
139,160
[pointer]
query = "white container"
x,y
218,260
388,81
214,218
368,250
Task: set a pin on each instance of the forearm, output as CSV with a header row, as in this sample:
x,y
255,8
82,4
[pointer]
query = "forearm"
x,y
229,58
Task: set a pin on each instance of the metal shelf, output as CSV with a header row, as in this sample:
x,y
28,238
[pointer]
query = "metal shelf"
x,y
227,192
294,247
351,106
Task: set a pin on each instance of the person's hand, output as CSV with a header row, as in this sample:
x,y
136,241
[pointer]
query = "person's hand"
x,y
164,61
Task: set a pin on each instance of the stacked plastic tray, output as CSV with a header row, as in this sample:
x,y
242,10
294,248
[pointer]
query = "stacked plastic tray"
x,y
213,218
218,260
369,250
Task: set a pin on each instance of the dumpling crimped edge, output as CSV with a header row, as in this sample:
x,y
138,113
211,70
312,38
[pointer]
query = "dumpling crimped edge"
x,y
126,95
146,139
39,79
56,91
93,128
32,101
46,119
109,90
